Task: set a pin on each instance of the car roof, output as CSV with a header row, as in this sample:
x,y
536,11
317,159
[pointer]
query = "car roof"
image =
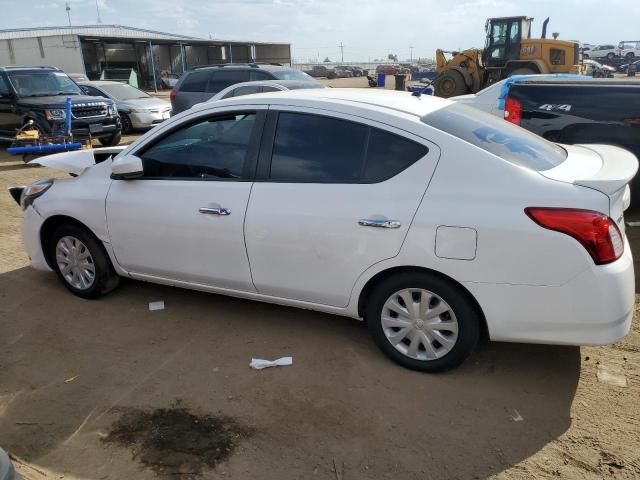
x,y
390,100
25,67
239,66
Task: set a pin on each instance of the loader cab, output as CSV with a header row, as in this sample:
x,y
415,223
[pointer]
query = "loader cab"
x,y
503,39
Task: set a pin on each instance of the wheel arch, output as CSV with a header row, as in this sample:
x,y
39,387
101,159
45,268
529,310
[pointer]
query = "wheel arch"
x,y
50,225
384,274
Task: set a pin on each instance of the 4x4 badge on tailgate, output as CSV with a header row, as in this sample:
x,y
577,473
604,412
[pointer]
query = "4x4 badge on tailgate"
x,y
549,107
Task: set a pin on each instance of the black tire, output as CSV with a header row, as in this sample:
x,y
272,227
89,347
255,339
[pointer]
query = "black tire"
x,y
611,55
465,312
111,141
450,84
585,56
105,277
630,56
127,126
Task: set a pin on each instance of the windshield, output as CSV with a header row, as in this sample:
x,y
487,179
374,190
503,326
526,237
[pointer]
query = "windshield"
x,y
42,84
497,136
290,75
121,91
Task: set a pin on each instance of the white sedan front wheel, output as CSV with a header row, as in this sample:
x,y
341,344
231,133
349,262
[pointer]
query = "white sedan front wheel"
x,y
423,321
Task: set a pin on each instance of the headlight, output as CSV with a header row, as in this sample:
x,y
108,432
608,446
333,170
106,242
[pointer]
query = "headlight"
x,y
33,191
112,110
142,110
56,114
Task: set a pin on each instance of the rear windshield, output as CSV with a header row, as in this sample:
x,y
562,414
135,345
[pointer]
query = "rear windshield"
x,y
497,136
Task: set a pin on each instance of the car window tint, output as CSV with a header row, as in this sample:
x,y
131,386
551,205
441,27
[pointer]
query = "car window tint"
x,y
225,78
313,148
494,135
246,90
389,154
214,148
3,85
195,82
257,75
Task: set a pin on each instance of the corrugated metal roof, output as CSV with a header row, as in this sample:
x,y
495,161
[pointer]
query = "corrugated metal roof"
x,y
108,31
97,30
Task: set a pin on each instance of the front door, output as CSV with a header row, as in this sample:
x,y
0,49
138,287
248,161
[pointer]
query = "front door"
x,y
183,220
338,195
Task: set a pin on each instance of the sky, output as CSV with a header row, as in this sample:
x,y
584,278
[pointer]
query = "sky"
x,y
368,29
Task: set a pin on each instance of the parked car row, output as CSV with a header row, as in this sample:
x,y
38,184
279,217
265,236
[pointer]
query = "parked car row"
x,y
341,71
624,49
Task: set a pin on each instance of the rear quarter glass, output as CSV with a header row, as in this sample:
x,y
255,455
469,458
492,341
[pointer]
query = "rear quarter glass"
x,y
494,135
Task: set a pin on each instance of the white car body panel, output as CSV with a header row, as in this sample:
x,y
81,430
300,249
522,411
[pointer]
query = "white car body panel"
x,y
300,244
74,162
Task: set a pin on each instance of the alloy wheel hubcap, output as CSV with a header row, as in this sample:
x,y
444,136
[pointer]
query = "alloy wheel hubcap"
x,y
419,324
75,263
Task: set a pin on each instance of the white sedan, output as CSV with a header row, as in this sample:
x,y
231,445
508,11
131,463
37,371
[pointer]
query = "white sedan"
x,y
434,222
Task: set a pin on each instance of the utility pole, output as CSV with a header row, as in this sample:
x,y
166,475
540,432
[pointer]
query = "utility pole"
x,y
98,10
68,9
341,52
411,54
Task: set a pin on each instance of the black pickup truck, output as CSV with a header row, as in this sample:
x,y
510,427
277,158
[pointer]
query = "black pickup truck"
x,y
40,93
570,110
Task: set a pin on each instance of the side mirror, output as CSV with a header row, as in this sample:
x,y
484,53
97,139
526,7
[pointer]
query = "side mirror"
x,y
84,89
126,168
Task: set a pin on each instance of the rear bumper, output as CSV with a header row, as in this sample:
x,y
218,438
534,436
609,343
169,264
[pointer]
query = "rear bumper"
x,y
594,308
31,225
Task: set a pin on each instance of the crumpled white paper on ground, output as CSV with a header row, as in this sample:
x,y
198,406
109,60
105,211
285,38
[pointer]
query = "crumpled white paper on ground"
x,y
259,364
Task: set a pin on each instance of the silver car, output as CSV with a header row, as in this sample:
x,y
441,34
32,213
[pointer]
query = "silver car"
x,y
261,86
137,109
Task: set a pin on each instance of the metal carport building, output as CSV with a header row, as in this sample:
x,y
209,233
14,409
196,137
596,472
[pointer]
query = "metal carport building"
x,y
92,48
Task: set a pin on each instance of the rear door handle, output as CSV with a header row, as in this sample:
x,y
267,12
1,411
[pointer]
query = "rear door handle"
x,y
215,210
371,222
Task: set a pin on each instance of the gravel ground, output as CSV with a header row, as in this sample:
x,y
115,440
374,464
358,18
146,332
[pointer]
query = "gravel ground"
x,y
72,368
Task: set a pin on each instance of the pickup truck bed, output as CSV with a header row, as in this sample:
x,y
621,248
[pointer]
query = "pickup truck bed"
x,y
573,111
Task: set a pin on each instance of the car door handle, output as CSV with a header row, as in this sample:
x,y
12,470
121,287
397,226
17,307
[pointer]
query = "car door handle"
x,y
371,222
215,210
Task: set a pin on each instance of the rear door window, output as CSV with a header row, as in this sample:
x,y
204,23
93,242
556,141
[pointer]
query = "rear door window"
x,y
225,78
195,82
320,149
497,136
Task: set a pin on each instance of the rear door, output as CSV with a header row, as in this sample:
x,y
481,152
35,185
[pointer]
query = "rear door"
x,y
9,119
334,195
223,78
191,90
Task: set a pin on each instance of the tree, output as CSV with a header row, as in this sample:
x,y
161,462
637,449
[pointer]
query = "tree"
x,y
393,57
326,60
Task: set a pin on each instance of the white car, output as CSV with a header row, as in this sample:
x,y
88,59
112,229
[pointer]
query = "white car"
x,y
434,222
602,51
264,86
629,49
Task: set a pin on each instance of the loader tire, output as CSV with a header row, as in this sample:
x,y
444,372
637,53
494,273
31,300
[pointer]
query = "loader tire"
x,y
450,84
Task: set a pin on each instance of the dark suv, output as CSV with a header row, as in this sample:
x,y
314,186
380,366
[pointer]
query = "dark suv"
x,y
40,94
202,83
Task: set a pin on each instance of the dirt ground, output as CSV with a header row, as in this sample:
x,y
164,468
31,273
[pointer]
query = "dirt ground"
x,y
70,369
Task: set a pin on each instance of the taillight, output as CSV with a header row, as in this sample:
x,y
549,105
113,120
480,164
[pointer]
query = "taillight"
x,y
173,94
596,232
513,110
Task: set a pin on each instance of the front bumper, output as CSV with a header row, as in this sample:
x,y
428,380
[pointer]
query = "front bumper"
x,y
148,120
594,308
31,225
